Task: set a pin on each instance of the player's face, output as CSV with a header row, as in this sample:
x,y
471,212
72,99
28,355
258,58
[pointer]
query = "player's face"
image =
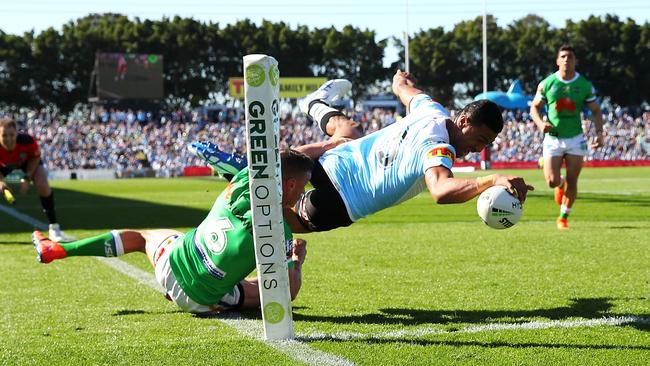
x,y
8,137
475,138
566,61
293,188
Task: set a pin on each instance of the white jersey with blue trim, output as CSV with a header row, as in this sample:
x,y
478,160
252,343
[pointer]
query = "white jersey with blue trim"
x,y
387,167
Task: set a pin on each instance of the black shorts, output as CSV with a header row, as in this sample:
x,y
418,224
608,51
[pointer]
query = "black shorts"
x,y
322,208
5,170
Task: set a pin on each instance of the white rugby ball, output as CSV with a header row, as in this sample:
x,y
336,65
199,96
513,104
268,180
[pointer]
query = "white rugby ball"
x,y
498,208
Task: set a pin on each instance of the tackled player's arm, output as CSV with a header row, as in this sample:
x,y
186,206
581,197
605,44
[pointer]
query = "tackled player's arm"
x,y
445,188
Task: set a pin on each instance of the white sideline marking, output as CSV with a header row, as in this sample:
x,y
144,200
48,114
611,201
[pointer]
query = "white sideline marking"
x,y
136,273
248,327
421,332
24,218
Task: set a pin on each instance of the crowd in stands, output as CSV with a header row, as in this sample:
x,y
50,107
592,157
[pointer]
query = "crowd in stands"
x,y
129,141
626,138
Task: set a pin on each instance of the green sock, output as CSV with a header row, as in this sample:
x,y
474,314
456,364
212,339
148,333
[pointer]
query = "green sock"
x,y
105,245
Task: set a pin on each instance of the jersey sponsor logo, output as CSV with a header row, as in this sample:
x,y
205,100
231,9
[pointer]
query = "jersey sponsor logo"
x,y
212,269
565,104
108,249
441,152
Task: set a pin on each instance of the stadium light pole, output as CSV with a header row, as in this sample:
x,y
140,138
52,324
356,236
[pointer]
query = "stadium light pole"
x,y
485,153
484,48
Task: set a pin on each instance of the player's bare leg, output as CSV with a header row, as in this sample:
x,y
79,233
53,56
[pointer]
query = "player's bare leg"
x,y
41,183
553,176
341,126
47,202
318,107
555,180
110,244
573,169
552,173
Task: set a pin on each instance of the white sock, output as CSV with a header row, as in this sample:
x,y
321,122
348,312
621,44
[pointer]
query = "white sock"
x,y
117,239
565,210
321,113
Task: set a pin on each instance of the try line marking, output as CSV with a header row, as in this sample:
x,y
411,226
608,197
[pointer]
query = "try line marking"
x,y
422,332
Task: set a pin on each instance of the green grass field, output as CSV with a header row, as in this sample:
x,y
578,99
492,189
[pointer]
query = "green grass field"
x,y
418,284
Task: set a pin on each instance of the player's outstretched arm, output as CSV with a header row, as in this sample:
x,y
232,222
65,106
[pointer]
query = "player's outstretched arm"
x,y
404,87
444,188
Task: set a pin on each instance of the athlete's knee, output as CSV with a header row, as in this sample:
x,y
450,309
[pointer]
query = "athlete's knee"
x,y
554,181
571,182
41,183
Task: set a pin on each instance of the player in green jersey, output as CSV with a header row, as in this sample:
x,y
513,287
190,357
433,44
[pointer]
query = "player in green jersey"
x,y
205,269
565,92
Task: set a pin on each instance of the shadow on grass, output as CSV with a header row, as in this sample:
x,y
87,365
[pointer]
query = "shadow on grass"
x,y
86,211
15,242
140,312
492,344
636,200
596,308
627,227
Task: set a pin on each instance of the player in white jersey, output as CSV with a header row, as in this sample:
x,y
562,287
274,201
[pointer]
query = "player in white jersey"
x,y
360,177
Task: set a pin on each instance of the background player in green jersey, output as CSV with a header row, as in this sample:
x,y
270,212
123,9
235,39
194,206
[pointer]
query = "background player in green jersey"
x,y
205,269
565,92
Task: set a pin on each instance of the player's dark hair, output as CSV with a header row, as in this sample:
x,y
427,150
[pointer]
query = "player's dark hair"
x,y
484,112
7,122
566,47
295,163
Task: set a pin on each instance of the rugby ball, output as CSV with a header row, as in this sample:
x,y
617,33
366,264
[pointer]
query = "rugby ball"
x,y
498,208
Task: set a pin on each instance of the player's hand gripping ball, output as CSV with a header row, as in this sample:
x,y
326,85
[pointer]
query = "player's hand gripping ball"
x,y
498,208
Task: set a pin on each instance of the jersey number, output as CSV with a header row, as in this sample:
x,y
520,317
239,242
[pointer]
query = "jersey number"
x,y
214,235
389,147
